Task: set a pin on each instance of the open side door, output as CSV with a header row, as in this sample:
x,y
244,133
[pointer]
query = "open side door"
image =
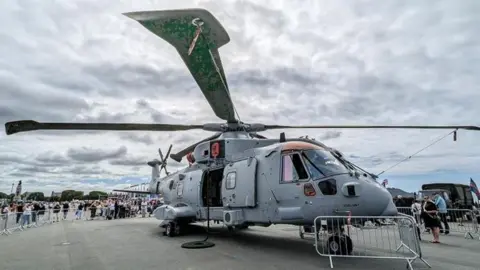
x,y
239,184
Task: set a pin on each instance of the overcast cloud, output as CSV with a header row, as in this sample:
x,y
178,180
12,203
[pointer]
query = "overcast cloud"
x,y
288,62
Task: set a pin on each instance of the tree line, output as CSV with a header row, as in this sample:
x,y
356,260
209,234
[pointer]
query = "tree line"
x,y
66,195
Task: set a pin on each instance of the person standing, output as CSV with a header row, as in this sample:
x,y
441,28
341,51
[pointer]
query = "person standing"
x,y
431,219
442,213
27,213
79,211
56,211
65,209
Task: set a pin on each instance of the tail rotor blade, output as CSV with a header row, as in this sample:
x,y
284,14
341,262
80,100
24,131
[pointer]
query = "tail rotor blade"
x,y
161,155
168,152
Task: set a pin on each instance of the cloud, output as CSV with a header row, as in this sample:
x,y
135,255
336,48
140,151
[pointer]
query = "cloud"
x,y
288,62
85,154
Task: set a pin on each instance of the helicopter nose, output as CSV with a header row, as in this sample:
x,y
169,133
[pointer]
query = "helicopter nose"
x,y
383,199
376,199
390,210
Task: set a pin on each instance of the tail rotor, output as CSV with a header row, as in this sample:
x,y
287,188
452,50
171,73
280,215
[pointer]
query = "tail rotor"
x,y
163,159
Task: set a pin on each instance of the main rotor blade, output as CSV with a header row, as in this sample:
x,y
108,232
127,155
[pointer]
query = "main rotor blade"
x,y
30,125
178,156
199,50
475,128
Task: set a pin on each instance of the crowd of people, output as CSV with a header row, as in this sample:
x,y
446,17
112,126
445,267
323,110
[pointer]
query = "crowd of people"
x,y
432,213
27,213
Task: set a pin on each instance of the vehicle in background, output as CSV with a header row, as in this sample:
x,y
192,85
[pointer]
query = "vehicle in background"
x,y
446,195
460,195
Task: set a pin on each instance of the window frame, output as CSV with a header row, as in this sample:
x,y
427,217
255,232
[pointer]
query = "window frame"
x,y
180,186
328,180
234,182
290,153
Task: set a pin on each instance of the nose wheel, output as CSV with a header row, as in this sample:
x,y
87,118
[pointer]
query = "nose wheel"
x,y
339,245
172,229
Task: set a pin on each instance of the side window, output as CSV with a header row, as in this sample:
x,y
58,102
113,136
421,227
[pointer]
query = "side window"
x,y
231,180
293,169
179,189
328,187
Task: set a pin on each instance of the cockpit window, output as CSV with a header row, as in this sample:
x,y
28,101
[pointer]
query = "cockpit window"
x,y
293,169
321,163
328,187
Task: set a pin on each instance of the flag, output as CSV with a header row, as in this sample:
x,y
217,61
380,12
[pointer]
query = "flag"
x,y
474,188
385,182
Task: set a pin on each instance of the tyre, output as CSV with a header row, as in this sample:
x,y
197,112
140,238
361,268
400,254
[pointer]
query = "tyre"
x,y
170,229
339,245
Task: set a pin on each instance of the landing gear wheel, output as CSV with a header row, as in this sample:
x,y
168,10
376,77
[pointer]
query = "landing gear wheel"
x,y
339,245
242,227
178,229
300,232
230,228
171,229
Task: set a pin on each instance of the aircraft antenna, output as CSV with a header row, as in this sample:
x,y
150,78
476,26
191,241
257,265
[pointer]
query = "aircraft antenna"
x,y
421,150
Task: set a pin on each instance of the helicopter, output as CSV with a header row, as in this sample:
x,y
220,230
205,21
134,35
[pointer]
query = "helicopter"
x,y
237,176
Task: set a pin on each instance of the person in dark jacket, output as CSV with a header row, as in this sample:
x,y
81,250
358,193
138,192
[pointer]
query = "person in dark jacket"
x,y
93,210
65,209
431,219
56,212
35,210
19,212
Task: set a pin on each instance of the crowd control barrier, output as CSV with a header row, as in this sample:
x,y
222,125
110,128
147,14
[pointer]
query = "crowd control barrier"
x,y
463,221
348,237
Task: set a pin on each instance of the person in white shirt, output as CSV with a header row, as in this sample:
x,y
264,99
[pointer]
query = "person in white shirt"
x,y
416,211
144,208
27,213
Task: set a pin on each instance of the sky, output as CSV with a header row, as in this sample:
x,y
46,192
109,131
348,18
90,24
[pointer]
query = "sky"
x,y
288,62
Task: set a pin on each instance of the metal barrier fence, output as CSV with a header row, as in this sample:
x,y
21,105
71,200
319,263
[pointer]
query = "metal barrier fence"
x,y
346,236
18,221
462,221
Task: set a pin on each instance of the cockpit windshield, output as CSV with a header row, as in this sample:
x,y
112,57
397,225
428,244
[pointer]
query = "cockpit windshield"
x,y
322,163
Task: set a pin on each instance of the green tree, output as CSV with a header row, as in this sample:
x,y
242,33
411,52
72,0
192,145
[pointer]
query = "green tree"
x,y
36,196
67,195
96,195
78,195
3,195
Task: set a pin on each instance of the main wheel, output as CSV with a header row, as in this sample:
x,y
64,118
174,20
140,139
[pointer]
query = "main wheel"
x,y
177,229
170,229
339,245
300,232
242,227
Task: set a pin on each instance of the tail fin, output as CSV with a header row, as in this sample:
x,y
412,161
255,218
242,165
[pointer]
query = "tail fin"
x,y
155,164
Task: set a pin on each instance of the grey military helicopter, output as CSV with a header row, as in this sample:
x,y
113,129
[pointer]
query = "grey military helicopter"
x,y
237,176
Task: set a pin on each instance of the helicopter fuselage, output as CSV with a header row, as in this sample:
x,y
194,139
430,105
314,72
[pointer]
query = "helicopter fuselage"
x,y
268,182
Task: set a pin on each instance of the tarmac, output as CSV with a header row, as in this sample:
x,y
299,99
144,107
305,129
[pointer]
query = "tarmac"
x,y
139,243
